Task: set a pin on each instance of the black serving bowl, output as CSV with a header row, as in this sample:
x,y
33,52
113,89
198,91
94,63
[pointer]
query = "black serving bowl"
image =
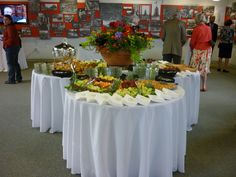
x,y
60,73
165,79
167,73
82,76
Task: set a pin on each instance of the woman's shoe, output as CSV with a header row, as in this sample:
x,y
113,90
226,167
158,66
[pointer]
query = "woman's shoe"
x,y
225,71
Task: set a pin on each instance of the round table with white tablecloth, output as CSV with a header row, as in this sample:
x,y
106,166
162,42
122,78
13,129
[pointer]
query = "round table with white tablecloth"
x,y
47,99
110,141
191,84
3,60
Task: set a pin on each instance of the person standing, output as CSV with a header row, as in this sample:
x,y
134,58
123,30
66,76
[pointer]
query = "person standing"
x,y
214,33
214,30
11,45
225,45
174,37
200,44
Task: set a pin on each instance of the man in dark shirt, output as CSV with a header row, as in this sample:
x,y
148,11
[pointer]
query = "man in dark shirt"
x,y
214,29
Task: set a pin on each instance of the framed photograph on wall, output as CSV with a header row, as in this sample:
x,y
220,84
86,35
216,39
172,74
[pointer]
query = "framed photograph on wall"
x,y
34,23
68,6
143,25
82,15
72,33
110,12
58,26
83,32
127,9
92,5
155,25
189,12
97,22
26,31
156,9
34,6
57,18
58,33
49,6
68,18
43,22
85,25
209,10
145,11
75,24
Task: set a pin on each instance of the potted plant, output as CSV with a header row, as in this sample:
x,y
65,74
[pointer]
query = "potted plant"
x,y
119,43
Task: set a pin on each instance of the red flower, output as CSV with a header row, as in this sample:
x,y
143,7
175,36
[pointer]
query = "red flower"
x,y
128,28
114,24
104,29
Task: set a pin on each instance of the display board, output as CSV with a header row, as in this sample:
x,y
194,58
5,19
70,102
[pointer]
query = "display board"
x,y
70,19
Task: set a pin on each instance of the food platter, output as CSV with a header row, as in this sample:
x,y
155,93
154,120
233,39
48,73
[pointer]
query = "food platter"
x,y
61,74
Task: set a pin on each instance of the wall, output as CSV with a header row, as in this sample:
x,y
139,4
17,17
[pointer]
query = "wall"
x,y
37,49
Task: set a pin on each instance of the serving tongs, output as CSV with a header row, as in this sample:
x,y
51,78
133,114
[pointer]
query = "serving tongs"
x,y
89,82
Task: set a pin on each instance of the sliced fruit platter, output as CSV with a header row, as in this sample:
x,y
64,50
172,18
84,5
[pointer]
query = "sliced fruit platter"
x,y
109,90
79,65
183,67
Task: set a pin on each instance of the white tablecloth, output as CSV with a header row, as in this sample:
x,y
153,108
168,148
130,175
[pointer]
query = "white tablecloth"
x,y
47,99
191,85
3,60
140,141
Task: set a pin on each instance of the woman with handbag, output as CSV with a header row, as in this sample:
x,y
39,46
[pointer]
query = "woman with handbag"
x,y
225,45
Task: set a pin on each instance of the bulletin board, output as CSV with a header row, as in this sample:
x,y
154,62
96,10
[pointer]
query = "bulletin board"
x,y
72,20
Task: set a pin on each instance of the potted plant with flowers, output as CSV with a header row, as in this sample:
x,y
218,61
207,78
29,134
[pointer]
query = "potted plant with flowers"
x,y
119,44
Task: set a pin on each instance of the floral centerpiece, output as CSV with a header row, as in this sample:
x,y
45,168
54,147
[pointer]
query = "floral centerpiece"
x,y
118,37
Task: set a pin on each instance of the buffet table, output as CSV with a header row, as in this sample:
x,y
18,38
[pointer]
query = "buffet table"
x,y
191,85
3,60
41,97
109,141
47,99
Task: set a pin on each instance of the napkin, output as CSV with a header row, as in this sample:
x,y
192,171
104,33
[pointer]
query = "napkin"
x,y
170,92
129,100
81,95
115,100
90,97
156,98
142,100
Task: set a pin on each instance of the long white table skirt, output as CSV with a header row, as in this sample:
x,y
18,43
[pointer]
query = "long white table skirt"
x,y
191,85
47,100
3,60
140,141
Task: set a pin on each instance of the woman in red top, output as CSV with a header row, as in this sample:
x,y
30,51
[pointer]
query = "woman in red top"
x,y
200,44
11,45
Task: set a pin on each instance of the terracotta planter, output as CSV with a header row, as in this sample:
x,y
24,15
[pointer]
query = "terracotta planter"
x,y
117,58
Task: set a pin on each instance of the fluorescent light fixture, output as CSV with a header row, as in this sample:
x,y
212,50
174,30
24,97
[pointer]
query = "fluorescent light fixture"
x,y
215,0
